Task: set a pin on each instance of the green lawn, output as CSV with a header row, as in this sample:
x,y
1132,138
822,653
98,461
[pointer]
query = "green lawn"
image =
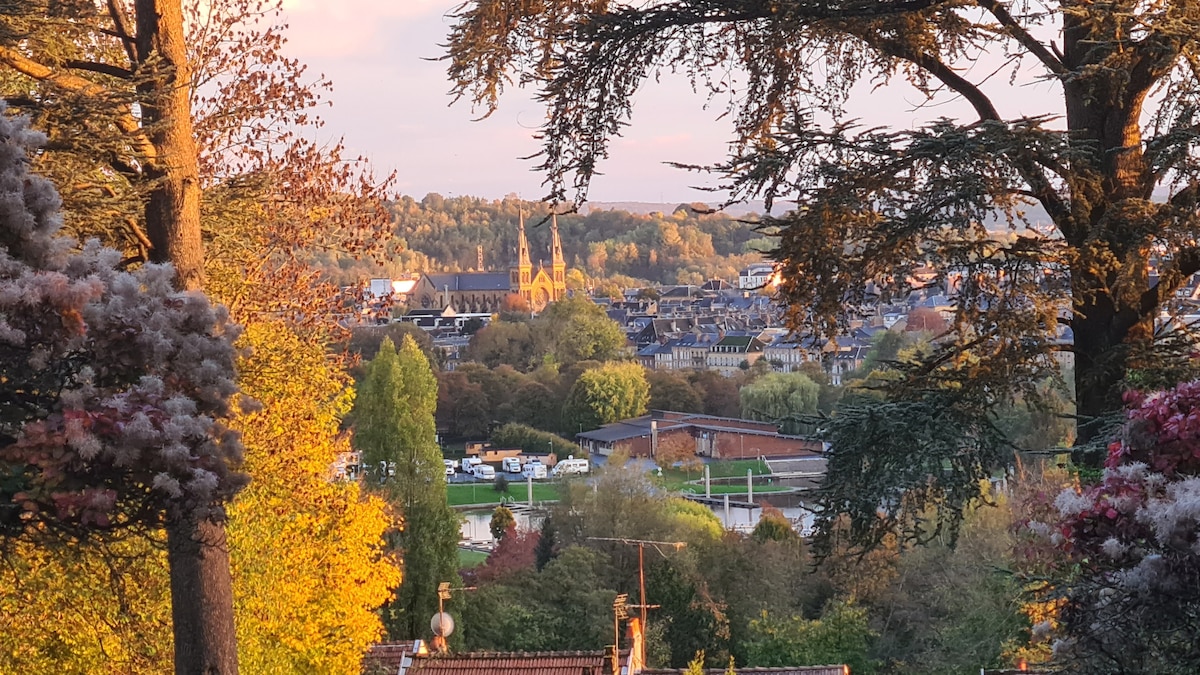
x,y
468,558
460,494
732,469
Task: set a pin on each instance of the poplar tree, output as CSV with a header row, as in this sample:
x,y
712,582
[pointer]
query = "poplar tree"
x,y
396,437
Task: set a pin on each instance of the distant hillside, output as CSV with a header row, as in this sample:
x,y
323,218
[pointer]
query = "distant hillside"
x,y
655,243
646,208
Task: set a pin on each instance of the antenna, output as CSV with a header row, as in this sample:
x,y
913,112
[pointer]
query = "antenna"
x,y
641,544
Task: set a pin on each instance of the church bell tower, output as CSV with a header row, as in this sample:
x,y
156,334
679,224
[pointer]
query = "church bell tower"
x,y
521,274
558,265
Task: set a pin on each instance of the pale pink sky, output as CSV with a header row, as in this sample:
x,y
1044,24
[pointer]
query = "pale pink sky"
x,y
391,106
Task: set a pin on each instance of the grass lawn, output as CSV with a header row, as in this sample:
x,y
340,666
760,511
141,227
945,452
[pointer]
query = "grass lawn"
x,y
732,469
468,558
460,494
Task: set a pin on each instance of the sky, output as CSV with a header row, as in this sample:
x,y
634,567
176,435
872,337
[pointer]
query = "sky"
x,y
390,104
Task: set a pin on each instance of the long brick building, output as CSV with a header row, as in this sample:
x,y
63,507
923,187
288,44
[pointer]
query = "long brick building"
x,y
714,437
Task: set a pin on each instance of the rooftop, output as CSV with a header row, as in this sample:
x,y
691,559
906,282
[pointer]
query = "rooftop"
x,y
386,658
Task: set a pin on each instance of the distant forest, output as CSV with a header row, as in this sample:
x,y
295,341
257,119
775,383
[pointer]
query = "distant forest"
x,y
443,234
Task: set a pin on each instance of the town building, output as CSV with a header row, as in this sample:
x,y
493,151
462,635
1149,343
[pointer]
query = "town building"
x,y
713,437
756,276
488,291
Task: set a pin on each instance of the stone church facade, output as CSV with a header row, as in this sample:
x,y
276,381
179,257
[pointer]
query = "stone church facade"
x,y
487,291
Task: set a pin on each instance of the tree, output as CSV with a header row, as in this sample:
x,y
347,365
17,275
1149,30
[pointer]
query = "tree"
x,y
609,393
395,434
537,406
134,139
773,526
463,409
719,393
576,329
782,398
502,520
503,342
677,449
131,420
669,391
532,440
841,635
310,569
876,204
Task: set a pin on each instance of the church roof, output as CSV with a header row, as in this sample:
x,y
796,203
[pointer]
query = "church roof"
x,y
471,281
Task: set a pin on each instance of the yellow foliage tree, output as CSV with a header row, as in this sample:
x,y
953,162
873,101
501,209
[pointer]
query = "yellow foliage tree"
x,y
308,558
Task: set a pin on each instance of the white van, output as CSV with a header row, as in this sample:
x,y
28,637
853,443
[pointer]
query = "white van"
x,y
484,472
511,464
534,470
570,467
469,464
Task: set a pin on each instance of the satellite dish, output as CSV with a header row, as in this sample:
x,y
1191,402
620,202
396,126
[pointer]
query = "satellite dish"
x,y
442,624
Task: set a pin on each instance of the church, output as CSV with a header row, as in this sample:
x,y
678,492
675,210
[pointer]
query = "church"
x,y
487,291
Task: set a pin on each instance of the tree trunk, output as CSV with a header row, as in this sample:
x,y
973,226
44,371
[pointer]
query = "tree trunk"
x,y
201,584
173,205
201,598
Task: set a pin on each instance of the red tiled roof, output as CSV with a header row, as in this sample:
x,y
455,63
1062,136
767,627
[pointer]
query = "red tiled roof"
x,y
784,670
384,659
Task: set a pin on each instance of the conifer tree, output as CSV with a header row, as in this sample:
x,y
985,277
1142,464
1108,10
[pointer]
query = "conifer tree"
x,y
396,436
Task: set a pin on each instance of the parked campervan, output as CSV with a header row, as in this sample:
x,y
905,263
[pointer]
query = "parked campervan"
x,y
484,472
534,470
568,467
511,464
469,464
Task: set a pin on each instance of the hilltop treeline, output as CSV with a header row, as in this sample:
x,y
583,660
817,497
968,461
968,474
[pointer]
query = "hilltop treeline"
x,y
443,234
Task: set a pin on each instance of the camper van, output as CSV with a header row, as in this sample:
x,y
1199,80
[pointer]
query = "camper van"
x,y
469,464
569,467
484,472
511,464
535,470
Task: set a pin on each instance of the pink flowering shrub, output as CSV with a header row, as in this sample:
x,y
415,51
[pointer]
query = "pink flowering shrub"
x,y
113,385
1131,572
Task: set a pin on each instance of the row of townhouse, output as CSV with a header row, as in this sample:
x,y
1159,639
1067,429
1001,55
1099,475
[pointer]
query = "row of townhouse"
x,y
730,352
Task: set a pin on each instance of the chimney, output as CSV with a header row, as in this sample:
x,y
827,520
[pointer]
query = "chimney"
x,y
637,646
613,655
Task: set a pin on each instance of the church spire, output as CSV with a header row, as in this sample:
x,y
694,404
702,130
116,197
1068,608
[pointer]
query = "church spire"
x,y
522,244
558,265
521,274
556,254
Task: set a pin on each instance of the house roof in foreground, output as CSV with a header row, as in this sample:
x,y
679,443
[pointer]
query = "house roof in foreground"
x,y
386,658
743,670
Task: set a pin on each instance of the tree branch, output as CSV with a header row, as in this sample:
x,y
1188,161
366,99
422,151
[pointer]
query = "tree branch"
x,y
83,87
102,68
1187,263
128,43
1022,36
